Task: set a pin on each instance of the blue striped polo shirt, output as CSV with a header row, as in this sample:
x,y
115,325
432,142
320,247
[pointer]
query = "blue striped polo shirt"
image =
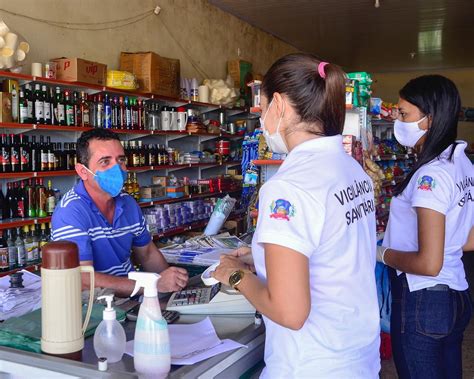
x,y
77,219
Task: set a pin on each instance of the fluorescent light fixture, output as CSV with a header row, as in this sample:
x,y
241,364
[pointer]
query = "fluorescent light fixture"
x,y
430,41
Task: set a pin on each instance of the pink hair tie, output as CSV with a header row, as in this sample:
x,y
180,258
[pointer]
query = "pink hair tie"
x,y
321,72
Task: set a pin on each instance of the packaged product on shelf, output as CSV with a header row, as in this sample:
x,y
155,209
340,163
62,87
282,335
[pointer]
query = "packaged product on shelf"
x,y
221,211
81,70
6,107
155,74
121,80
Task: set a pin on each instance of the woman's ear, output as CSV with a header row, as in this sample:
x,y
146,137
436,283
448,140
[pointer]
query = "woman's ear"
x,y
279,104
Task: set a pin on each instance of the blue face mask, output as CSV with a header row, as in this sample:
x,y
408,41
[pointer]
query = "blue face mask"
x,y
110,180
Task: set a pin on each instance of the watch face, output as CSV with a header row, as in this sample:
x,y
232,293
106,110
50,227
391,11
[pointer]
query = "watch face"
x,y
235,278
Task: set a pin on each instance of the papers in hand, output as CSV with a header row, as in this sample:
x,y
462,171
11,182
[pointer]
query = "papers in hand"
x,y
15,302
192,343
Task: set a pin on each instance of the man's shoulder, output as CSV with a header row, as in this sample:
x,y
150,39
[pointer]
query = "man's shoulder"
x,y
72,199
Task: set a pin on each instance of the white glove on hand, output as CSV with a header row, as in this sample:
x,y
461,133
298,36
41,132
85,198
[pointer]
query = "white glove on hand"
x,y
380,253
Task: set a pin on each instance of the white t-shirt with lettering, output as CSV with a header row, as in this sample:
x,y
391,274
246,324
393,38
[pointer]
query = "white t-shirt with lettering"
x,y
446,187
321,204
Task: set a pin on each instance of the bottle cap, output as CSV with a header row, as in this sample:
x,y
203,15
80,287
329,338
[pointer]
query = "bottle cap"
x,y
102,364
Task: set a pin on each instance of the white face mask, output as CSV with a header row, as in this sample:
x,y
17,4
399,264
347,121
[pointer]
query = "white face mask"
x,y
274,141
408,133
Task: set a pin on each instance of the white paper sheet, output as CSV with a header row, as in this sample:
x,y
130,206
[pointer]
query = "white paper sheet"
x,y
192,343
17,302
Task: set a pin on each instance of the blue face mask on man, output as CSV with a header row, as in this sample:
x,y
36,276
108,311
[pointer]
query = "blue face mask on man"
x,y
110,180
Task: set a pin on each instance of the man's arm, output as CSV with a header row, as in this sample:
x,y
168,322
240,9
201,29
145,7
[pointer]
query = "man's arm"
x,y
172,278
122,286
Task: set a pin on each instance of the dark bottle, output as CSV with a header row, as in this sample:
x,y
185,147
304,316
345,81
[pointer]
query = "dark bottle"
x,y
128,114
25,154
21,200
2,204
50,199
23,103
99,112
4,266
35,156
14,154
121,122
46,106
30,199
53,107
141,115
115,112
76,103
30,103
85,110
107,112
59,109
5,158
43,152
51,156
39,105
59,157
134,109
69,106
12,211
40,198
141,154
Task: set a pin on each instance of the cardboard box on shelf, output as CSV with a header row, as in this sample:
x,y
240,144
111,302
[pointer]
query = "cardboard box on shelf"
x,y
152,192
160,180
155,74
6,109
81,70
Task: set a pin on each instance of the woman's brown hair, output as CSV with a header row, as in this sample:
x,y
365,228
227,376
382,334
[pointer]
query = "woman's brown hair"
x,y
316,100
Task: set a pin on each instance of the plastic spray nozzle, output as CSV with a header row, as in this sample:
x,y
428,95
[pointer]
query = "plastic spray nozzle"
x,y
147,280
109,312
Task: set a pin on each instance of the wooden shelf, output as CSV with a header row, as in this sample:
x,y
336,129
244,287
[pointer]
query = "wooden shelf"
x,y
32,268
19,222
170,200
264,162
102,88
36,174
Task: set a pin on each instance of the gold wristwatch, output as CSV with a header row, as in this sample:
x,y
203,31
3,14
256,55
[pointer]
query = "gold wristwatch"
x,y
235,278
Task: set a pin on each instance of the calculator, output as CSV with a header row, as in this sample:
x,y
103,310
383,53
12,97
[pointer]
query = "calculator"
x,y
212,300
169,316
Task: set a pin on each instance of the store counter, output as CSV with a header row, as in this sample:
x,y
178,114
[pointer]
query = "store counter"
x,y
232,364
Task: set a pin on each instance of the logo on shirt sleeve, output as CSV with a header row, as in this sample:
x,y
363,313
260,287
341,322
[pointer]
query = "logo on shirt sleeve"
x,y
426,183
282,209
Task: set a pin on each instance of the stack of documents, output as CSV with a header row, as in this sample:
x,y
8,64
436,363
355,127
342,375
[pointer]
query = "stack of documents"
x,y
16,302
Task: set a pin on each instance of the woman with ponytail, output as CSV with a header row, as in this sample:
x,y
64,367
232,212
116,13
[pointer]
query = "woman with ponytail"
x,y
431,223
314,245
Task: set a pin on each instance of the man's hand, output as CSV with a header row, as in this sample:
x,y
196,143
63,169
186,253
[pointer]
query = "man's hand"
x,y
172,279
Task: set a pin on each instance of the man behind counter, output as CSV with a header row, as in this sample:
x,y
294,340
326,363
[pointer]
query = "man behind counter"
x,y
107,224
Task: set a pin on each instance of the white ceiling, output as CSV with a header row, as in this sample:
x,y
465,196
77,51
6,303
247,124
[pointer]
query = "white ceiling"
x,y
356,35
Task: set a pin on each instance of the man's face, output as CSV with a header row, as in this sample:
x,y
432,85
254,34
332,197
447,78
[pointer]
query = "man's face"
x,y
103,155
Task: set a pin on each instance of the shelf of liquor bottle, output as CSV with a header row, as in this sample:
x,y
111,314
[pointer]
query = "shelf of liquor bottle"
x,y
14,125
19,222
32,268
101,88
145,204
36,174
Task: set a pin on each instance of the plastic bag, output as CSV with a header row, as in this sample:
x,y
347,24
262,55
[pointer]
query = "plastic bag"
x,y
13,49
221,211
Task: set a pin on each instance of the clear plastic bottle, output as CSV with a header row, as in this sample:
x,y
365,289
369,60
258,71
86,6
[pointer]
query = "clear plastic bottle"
x,y
151,351
109,337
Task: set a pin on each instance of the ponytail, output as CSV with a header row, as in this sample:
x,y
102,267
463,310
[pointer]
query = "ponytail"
x,y
316,90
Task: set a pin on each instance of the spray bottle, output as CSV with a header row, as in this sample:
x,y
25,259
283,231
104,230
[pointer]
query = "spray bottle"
x,y
109,337
151,352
